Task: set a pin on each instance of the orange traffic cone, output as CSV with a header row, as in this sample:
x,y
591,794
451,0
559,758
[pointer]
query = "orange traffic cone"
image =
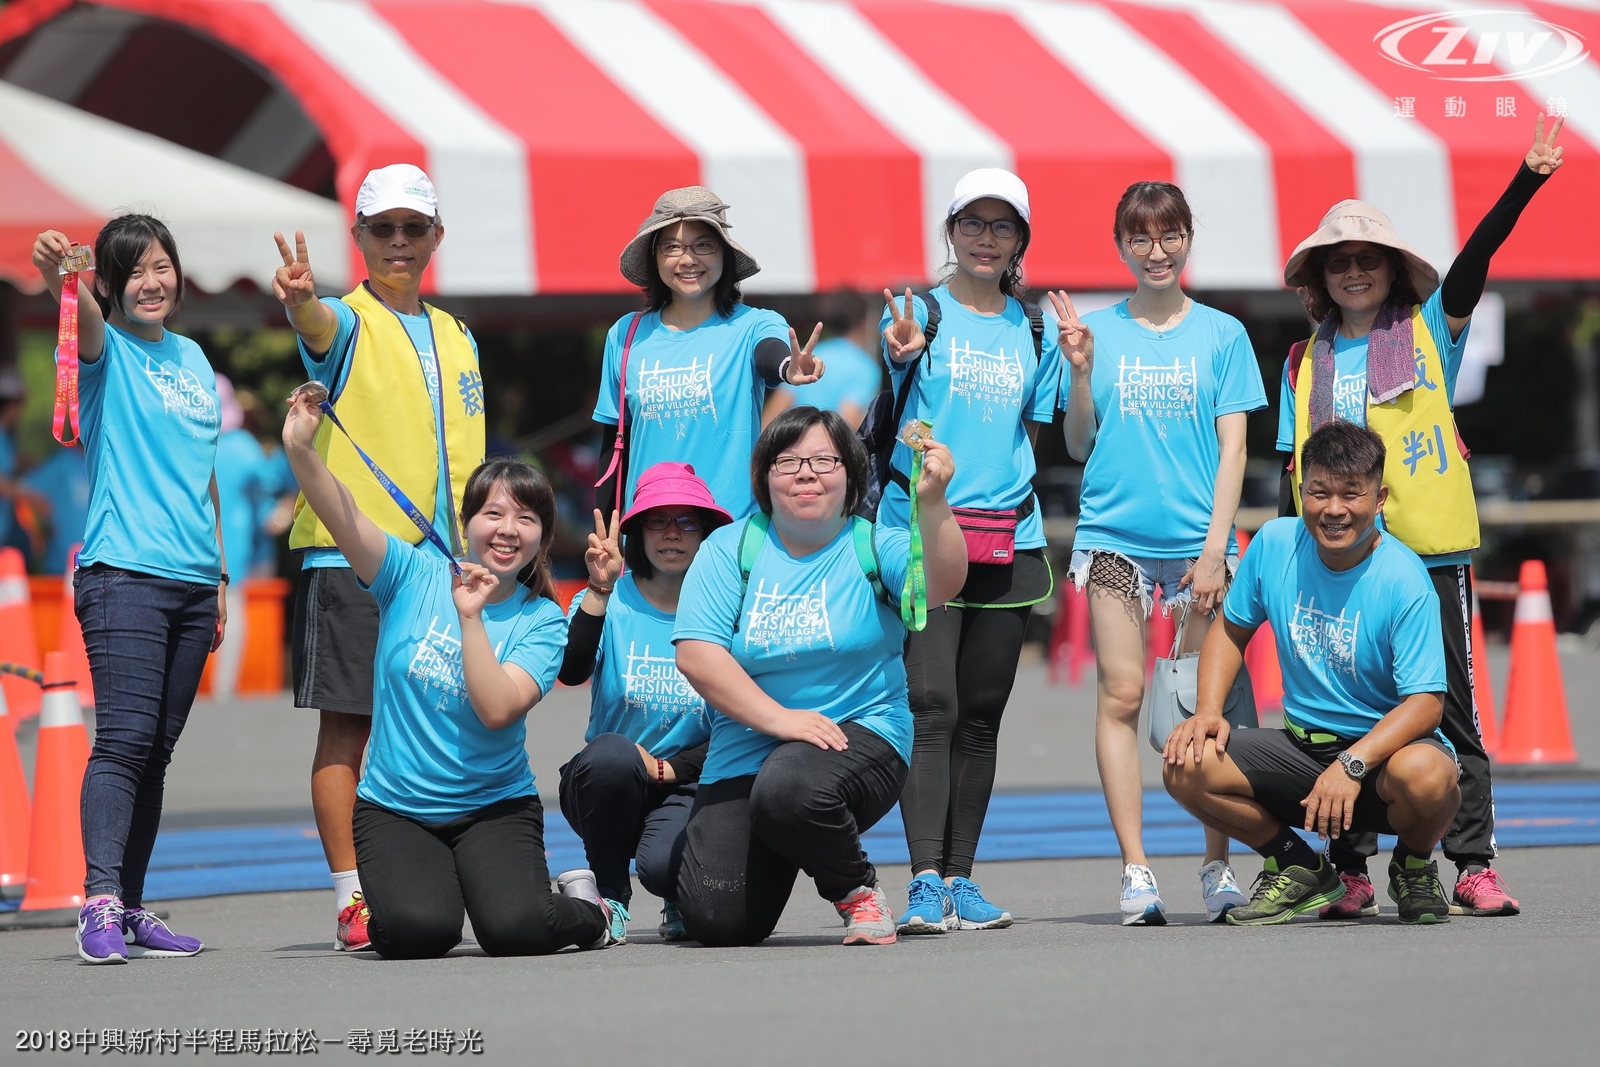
x,y
1070,643
1482,684
71,641
17,641
1261,658
15,812
55,853
1162,628
1537,730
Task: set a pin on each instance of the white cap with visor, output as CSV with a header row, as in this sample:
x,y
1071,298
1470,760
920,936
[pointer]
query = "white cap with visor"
x,y
991,182
399,185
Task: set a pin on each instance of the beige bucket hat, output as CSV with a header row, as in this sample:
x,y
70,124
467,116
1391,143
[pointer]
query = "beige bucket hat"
x,y
693,203
1357,220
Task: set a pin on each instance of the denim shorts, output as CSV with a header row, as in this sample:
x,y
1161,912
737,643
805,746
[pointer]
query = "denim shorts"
x,y
1149,573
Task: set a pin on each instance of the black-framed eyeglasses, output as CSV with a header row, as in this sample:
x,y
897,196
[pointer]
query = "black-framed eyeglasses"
x,y
818,464
686,523
385,230
703,248
1143,244
1003,229
1339,262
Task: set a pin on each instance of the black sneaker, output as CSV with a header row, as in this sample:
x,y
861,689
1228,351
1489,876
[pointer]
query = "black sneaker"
x,y
1416,888
1278,896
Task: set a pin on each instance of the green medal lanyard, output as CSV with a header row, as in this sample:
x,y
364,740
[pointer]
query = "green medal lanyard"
x,y
914,594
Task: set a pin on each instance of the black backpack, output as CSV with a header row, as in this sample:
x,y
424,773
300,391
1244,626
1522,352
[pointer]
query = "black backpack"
x,y
880,427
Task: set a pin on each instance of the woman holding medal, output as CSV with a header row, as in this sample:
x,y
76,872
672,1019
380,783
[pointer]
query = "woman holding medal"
x,y
628,793
987,382
790,625
697,361
1157,391
447,820
149,589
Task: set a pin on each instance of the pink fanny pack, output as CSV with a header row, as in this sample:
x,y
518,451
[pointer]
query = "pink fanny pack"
x,y
991,535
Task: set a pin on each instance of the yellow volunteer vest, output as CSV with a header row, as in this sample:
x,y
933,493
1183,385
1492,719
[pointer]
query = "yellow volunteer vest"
x,y
384,404
1431,508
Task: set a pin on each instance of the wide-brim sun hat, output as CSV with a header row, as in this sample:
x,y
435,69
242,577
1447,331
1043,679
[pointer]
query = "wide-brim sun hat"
x,y
692,203
674,485
993,183
1357,220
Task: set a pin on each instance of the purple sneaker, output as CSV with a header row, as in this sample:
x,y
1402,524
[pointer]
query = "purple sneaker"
x,y
147,935
100,931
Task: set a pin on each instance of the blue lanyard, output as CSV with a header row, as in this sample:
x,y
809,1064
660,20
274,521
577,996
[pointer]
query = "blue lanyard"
x,y
396,494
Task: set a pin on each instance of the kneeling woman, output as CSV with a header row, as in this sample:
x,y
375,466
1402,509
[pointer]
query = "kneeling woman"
x,y
447,820
788,626
629,792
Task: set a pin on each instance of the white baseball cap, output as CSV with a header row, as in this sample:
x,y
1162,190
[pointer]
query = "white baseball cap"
x,y
399,185
990,182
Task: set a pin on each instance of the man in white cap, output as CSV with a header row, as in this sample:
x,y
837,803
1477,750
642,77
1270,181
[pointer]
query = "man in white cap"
x,y
392,365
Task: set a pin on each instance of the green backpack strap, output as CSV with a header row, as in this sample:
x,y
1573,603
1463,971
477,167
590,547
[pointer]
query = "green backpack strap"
x,y
750,541
863,535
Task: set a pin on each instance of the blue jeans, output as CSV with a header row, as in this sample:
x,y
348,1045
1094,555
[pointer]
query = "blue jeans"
x,y
147,639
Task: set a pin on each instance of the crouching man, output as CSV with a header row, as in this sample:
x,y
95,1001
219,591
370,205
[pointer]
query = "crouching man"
x,y
1357,627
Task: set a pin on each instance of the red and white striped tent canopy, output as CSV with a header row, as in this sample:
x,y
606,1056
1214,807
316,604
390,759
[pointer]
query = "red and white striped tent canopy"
x,y
837,129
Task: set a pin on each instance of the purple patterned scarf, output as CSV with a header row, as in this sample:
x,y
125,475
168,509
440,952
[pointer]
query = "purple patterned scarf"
x,y
1391,361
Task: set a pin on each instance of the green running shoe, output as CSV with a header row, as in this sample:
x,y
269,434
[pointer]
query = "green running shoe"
x,y
1278,896
1416,888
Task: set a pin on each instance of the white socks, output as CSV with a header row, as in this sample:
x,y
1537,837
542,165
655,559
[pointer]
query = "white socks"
x,y
346,884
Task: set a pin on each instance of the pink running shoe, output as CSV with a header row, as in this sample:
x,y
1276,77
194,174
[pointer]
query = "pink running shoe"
x,y
1359,900
1483,893
867,918
352,933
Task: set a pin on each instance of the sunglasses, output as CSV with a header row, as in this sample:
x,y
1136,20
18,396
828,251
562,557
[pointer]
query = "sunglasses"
x,y
686,523
1338,262
385,230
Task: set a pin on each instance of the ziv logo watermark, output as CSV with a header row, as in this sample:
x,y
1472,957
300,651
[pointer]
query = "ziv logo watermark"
x,y
1481,46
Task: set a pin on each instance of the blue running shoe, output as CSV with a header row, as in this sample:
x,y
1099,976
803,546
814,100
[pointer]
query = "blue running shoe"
x,y
671,928
931,909
973,912
618,913
1141,901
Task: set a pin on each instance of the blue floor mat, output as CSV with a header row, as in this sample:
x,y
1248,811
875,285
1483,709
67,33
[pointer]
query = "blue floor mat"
x,y
1020,826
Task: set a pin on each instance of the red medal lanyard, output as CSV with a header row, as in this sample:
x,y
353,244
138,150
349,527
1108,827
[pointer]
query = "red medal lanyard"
x,y
67,346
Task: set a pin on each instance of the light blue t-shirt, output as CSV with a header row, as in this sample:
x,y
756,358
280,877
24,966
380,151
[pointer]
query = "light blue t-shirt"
x,y
430,757
693,397
852,375
333,367
980,384
1350,398
636,689
810,633
64,480
1353,643
241,487
150,416
1150,482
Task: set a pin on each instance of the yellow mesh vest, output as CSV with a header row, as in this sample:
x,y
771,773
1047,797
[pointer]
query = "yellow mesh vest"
x,y
1430,508
384,404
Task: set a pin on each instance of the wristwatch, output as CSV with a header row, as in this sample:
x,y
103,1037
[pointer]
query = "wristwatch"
x,y
1354,765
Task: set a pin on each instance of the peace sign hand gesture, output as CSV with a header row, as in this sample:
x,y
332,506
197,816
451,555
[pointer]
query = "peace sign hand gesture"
x,y
903,337
1077,340
292,284
804,368
604,554
1545,155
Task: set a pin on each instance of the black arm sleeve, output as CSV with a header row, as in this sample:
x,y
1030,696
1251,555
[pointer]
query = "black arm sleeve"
x,y
1463,286
605,493
770,354
687,764
583,645
1285,491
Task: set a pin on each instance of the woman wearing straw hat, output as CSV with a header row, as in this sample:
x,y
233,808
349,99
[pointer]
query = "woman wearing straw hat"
x,y
1385,354
628,793
987,382
685,378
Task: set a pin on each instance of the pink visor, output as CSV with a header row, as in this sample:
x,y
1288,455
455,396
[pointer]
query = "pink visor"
x,y
674,485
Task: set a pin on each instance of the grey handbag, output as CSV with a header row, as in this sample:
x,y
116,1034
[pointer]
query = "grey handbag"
x,y
1171,696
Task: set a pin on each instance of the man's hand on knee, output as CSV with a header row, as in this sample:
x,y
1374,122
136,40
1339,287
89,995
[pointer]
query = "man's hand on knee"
x,y
1331,805
1188,741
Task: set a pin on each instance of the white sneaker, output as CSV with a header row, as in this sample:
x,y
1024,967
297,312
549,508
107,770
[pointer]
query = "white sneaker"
x,y
1141,902
579,884
1220,890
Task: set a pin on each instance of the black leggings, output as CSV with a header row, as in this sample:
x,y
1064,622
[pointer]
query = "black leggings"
x,y
806,809
419,879
960,671
622,815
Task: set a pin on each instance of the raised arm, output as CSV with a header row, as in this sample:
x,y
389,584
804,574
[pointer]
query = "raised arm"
x,y
944,546
296,290
357,536
1077,351
48,248
500,693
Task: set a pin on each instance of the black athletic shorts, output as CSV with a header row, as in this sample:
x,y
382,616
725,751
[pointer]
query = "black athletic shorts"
x,y
1282,771
335,641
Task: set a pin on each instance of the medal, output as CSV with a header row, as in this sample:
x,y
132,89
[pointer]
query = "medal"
x,y
80,258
